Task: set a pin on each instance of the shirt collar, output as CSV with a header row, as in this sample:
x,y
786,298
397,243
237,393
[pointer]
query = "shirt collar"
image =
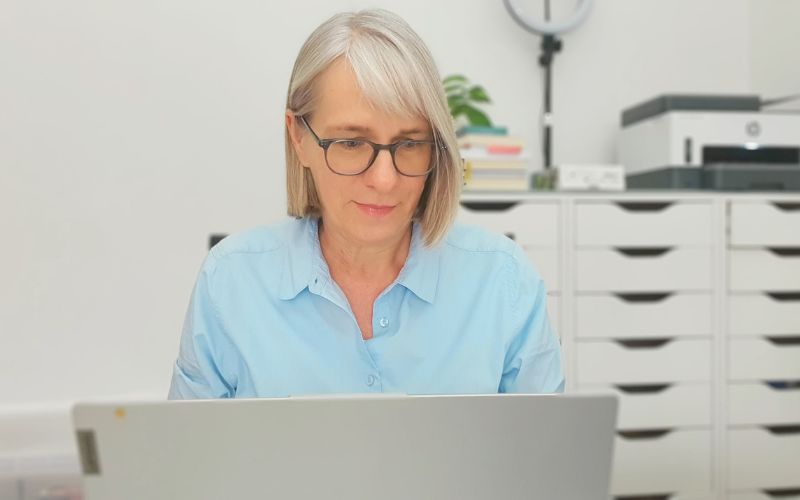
x,y
305,264
301,259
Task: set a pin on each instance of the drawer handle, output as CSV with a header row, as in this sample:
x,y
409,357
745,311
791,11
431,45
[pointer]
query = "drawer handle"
x,y
644,297
642,251
783,385
644,434
782,430
782,493
786,206
785,252
643,388
783,296
784,340
659,496
489,206
651,206
643,343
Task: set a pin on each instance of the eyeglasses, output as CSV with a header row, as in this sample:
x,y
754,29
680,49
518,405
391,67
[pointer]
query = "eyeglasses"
x,y
355,156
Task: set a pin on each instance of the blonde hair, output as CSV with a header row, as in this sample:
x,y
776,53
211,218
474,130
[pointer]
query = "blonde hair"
x,y
396,73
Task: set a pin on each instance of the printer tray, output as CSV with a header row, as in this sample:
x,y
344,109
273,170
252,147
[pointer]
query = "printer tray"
x,y
666,178
751,177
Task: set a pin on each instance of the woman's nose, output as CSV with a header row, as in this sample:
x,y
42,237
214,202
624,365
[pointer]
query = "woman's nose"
x,y
382,174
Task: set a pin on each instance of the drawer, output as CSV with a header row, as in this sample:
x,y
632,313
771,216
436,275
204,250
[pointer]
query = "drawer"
x,y
628,270
765,223
776,403
545,260
763,359
762,459
530,224
770,314
763,269
678,461
643,315
659,406
643,224
764,495
643,362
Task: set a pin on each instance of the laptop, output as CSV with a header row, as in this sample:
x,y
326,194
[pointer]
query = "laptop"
x,y
349,447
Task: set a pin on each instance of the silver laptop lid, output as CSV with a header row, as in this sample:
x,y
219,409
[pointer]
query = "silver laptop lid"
x,y
389,447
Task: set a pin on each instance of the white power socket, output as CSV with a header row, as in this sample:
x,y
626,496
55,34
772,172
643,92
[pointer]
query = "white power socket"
x,y
590,177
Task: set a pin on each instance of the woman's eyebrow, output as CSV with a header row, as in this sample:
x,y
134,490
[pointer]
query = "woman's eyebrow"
x,y
367,131
350,128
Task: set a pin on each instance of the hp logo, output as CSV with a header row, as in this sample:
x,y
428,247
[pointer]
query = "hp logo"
x,y
753,129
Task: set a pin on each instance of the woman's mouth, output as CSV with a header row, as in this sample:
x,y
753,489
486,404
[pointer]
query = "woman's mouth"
x,y
375,210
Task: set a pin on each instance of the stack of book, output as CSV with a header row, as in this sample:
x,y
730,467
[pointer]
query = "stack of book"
x,y
493,160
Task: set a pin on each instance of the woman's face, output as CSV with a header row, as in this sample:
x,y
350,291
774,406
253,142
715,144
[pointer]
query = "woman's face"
x,y
376,206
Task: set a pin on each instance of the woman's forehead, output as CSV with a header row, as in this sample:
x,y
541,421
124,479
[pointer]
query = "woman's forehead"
x,y
341,104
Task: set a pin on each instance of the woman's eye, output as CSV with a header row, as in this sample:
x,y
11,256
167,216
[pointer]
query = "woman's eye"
x,y
351,144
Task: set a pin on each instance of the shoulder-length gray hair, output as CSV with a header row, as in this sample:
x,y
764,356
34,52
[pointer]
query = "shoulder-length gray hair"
x,y
396,73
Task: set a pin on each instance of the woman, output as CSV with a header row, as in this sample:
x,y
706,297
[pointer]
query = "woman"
x,y
368,289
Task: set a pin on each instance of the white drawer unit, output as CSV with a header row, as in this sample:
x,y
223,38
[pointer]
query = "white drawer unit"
x,y
687,307
643,224
631,315
767,403
765,223
643,270
659,406
768,313
764,458
545,260
764,495
662,463
643,361
531,224
772,270
763,359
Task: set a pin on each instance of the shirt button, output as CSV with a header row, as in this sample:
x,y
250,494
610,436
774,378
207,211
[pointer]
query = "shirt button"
x,y
371,380
384,322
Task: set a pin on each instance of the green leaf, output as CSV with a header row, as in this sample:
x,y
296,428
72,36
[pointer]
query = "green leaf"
x,y
455,79
459,110
476,116
478,94
454,101
455,89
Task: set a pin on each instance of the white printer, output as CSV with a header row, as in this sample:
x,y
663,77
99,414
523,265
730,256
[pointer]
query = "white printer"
x,y
710,142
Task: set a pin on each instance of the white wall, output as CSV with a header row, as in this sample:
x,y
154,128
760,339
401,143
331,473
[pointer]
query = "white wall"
x,y
129,131
775,30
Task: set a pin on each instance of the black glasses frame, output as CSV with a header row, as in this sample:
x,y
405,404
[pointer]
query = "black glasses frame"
x,y
376,148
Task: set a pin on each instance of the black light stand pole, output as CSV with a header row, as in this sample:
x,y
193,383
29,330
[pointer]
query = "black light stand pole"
x,y
550,46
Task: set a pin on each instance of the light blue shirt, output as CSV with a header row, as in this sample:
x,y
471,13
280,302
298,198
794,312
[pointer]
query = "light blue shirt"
x,y
267,320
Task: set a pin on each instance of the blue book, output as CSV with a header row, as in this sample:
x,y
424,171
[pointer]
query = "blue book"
x,y
481,130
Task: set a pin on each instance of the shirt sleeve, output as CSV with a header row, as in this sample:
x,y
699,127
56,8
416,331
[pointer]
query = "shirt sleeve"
x,y
199,370
533,359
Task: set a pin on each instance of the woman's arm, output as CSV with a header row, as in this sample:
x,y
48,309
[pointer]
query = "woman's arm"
x,y
533,359
199,372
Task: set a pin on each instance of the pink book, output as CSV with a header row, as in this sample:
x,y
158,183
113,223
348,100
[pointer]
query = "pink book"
x,y
503,150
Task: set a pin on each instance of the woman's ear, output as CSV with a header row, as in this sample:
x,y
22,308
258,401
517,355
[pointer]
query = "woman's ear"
x,y
294,129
